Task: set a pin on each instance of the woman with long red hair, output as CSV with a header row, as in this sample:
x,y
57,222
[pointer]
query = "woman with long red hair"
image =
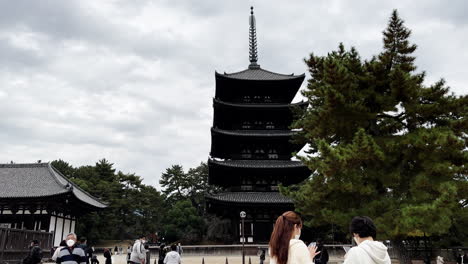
x,y
285,246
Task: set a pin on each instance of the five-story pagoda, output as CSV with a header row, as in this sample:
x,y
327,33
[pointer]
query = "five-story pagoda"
x,y
251,146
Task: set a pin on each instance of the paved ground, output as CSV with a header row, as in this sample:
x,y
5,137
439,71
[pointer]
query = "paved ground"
x,y
121,259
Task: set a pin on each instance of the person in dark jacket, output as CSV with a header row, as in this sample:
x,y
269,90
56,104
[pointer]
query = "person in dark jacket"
x,y
34,255
108,255
87,250
322,257
162,253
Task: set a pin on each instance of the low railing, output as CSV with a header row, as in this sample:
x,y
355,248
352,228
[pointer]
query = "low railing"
x,y
14,243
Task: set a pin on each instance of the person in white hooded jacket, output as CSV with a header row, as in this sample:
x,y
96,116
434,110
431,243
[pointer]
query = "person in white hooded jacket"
x,y
172,257
285,246
368,251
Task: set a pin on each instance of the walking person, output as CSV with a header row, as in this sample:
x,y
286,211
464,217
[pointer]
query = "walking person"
x,y
35,253
285,246
87,250
367,251
71,254
172,257
138,255
322,257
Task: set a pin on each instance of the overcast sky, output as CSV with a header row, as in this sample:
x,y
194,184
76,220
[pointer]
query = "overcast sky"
x,y
132,81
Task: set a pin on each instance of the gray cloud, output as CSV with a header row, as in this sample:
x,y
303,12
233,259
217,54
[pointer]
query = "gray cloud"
x,y
132,81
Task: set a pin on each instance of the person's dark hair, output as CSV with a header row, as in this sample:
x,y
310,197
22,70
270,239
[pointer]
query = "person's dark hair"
x,y
35,241
83,240
141,236
319,241
363,226
282,233
63,243
173,247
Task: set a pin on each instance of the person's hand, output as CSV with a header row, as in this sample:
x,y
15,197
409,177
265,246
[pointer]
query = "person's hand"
x,y
312,252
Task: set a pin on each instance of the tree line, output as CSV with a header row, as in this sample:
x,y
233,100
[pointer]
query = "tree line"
x,y
177,213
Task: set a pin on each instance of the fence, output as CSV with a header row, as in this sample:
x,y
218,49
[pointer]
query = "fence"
x,y
14,243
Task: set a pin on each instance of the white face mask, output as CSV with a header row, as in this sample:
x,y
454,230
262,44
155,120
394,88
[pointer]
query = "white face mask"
x,y
70,243
143,241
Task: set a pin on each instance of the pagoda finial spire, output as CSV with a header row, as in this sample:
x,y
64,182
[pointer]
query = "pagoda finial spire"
x,y
253,42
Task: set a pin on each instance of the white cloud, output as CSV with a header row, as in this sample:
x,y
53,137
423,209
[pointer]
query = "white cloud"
x,y
132,81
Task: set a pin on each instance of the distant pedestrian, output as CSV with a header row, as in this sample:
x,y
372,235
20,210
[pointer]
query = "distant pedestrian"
x,y
162,253
440,260
172,257
62,244
322,257
87,250
35,253
465,258
71,254
262,256
108,255
129,252
94,260
116,250
367,251
285,245
179,249
138,255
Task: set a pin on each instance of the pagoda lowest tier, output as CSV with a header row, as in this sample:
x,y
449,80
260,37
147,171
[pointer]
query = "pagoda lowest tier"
x,y
255,175
255,115
253,144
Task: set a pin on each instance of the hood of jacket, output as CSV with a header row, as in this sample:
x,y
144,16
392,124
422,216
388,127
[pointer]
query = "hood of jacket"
x,y
173,255
376,250
295,243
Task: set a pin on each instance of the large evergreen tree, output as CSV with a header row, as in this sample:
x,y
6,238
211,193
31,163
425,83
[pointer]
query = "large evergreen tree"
x,y
383,144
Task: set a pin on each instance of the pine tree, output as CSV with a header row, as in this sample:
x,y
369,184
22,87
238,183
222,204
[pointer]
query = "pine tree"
x,y
383,144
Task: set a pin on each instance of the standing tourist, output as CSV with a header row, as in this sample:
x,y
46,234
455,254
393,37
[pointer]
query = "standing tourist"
x,y
62,244
71,254
172,257
262,256
84,245
322,257
179,249
162,253
138,254
35,253
285,246
440,260
129,252
367,251
108,255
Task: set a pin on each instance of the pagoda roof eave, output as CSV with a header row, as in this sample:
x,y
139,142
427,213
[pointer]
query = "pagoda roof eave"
x,y
253,133
258,164
301,104
272,198
259,75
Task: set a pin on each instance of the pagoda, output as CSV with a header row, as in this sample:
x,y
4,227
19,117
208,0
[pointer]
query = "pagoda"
x,y
252,146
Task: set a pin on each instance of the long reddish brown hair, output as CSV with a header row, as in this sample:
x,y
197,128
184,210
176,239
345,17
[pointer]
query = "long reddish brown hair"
x,y
282,233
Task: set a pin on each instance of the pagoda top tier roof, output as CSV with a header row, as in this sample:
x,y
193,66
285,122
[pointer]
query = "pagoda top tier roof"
x,y
251,198
35,180
270,164
259,74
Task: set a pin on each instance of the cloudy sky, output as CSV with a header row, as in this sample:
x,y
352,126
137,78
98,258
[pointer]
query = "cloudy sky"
x,y
133,81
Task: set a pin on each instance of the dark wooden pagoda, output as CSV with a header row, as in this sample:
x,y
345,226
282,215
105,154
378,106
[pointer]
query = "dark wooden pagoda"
x,y
251,146
38,197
